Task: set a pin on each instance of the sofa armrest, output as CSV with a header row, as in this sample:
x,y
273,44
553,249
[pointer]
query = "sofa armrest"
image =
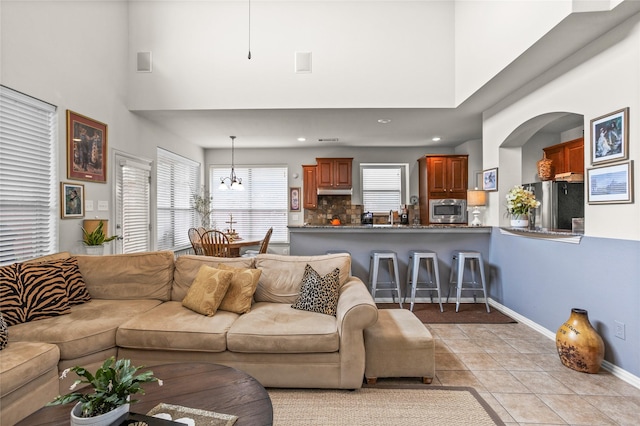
x,y
356,311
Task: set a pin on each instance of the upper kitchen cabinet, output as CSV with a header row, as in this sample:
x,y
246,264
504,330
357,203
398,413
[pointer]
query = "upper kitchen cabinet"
x,y
567,157
310,190
334,173
447,175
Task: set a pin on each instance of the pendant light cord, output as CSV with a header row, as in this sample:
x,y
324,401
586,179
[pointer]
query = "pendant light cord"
x,y
249,56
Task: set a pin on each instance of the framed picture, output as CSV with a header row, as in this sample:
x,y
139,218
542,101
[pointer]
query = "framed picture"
x,y
490,179
610,137
610,184
294,199
71,200
86,148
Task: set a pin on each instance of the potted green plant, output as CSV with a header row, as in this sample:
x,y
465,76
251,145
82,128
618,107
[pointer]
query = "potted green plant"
x,y
113,384
95,239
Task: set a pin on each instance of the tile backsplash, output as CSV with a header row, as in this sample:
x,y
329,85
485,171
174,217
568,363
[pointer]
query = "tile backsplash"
x,y
349,214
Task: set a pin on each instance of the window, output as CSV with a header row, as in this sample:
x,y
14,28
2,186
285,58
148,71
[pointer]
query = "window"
x,y
28,177
263,203
178,179
384,186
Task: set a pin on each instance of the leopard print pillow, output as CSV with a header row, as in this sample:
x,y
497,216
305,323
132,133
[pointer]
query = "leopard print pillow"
x,y
319,294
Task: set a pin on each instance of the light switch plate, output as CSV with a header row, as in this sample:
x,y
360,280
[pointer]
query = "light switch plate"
x,y
103,206
88,205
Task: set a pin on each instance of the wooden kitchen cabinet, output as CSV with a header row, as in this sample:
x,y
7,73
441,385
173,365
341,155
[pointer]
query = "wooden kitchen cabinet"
x,y
441,176
310,189
334,173
567,157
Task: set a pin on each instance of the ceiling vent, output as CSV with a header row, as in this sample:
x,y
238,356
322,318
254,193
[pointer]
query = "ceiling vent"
x,y
328,140
303,62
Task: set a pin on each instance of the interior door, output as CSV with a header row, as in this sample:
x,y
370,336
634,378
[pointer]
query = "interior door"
x,y
133,204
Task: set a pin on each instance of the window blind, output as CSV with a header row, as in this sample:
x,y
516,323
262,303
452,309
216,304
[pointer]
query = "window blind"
x,y
381,187
178,178
133,193
28,177
262,205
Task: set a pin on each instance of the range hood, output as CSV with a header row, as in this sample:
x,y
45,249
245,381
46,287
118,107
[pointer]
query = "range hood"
x,y
327,191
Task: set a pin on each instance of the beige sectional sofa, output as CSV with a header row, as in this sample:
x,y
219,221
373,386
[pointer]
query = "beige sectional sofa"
x,y
136,312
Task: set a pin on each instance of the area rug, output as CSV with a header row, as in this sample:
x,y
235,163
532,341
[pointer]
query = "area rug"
x,y
390,405
469,313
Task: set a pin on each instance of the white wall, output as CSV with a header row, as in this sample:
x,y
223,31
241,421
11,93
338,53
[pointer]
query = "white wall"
x,y
601,78
489,35
200,54
74,55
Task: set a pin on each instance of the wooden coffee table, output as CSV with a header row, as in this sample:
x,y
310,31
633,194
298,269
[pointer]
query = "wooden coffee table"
x,y
209,387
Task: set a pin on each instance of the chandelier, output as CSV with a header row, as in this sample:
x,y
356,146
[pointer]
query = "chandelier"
x,y
235,182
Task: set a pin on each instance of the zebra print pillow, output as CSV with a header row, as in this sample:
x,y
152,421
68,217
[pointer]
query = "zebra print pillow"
x,y
4,334
31,292
77,292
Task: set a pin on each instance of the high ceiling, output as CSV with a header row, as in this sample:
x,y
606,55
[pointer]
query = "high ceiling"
x,y
360,127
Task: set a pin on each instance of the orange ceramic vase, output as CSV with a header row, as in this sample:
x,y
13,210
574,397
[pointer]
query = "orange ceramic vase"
x,y
579,345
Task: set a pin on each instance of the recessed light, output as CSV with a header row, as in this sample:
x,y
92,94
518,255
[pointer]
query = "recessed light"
x,y
302,139
436,138
384,121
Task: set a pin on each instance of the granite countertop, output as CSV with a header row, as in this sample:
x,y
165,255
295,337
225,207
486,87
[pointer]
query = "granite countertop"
x,y
393,228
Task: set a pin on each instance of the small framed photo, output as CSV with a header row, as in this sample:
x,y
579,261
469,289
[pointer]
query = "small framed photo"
x,y
86,148
610,137
611,184
71,200
490,179
294,199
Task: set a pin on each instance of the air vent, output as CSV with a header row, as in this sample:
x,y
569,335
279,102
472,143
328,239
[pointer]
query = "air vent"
x,y
328,140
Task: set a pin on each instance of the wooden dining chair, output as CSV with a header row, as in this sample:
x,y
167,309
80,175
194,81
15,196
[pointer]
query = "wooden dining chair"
x,y
265,242
195,239
215,243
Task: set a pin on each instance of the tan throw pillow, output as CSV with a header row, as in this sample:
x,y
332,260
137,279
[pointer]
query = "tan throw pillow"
x,y
240,293
318,293
207,290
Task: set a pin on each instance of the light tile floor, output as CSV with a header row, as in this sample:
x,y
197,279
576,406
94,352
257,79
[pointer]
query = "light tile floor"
x,y
518,372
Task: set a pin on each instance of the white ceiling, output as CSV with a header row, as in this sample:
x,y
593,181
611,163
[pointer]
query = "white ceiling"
x,y
359,127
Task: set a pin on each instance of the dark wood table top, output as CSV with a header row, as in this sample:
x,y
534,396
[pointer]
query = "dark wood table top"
x,y
209,387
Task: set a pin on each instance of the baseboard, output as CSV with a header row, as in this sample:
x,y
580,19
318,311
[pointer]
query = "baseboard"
x,y
620,373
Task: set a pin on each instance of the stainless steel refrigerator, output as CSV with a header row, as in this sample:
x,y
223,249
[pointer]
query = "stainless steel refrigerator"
x,y
560,202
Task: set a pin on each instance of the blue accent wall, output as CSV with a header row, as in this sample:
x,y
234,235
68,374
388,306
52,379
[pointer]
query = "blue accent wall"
x,y
542,280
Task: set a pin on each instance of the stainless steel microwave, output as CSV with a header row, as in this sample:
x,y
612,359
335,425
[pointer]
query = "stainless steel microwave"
x,y
448,210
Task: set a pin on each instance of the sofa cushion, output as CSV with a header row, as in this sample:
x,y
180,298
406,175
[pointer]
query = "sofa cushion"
x,y
89,328
208,290
171,326
319,293
146,275
240,292
281,277
278,328
23,362
187,268
4,334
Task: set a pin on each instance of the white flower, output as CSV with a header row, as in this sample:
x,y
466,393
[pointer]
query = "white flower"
x,y
520,200
160,382
73,386
64,373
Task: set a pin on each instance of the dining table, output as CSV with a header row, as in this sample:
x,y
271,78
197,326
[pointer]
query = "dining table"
x,y
237,244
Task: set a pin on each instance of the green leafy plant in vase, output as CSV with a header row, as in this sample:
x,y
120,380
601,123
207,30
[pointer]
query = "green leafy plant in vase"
x,y
96,237
113,384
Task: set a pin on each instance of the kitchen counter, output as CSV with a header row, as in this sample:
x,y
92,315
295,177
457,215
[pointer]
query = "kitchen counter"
x,y
445,228
559,235
359,240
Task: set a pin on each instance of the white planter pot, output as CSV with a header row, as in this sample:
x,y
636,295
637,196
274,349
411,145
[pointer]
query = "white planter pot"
x,y
101,420
94,250
519,221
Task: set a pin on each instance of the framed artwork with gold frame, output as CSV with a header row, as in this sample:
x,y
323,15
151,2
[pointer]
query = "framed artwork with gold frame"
x,y
86,148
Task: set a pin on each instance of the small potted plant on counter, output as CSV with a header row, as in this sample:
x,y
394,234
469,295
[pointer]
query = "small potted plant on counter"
x,y
94,240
